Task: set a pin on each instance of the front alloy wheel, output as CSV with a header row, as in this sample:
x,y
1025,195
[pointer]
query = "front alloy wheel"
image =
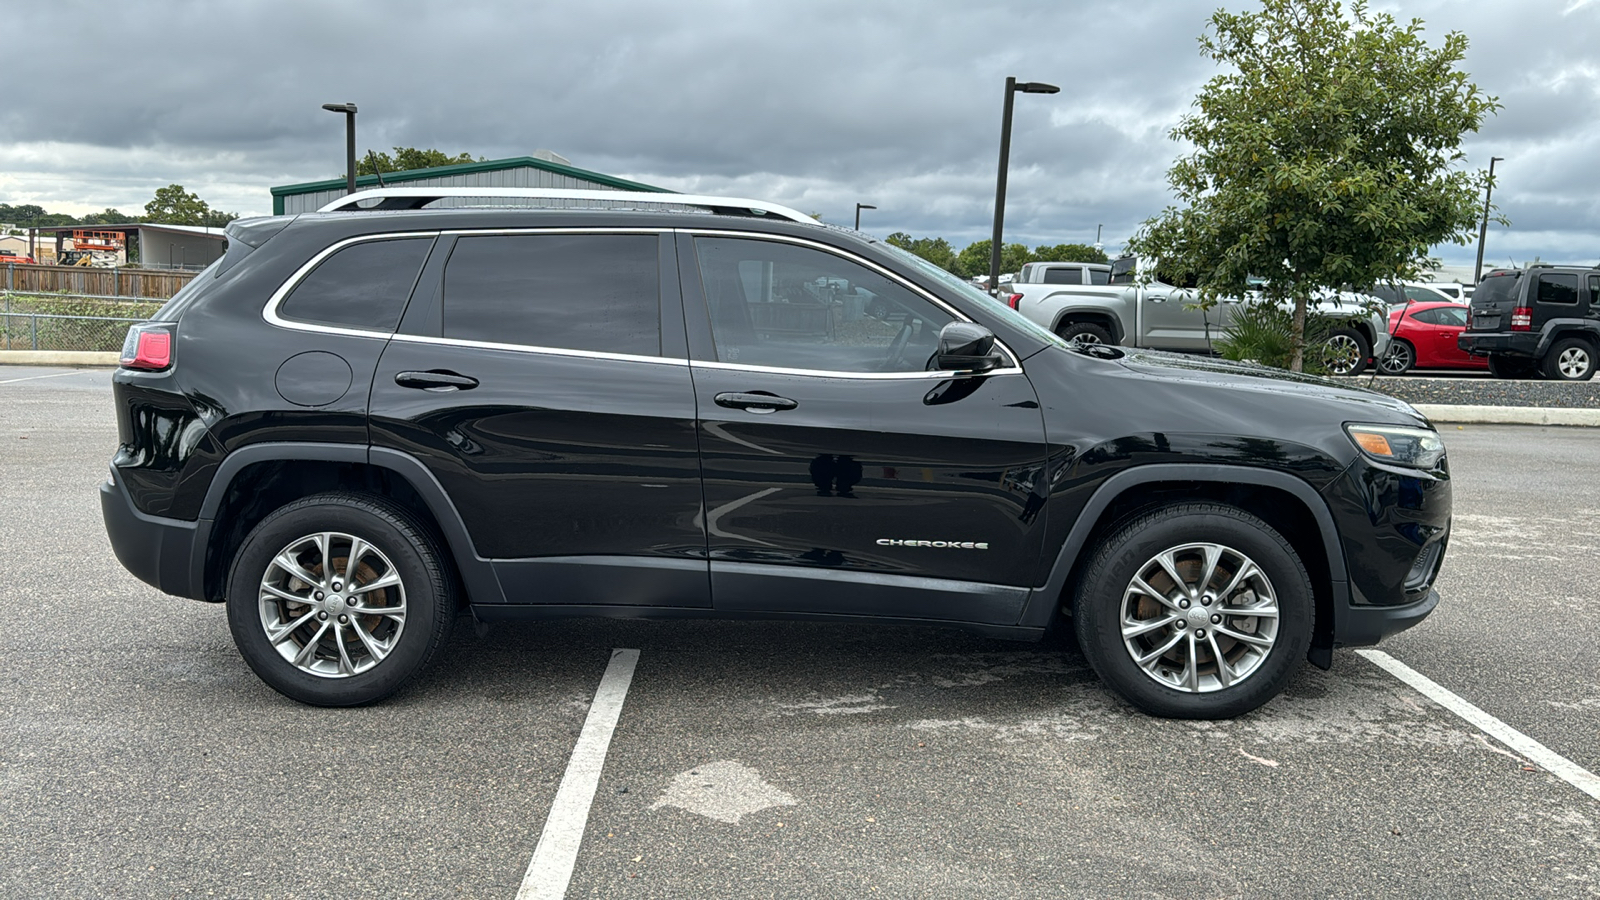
x,y
1199,617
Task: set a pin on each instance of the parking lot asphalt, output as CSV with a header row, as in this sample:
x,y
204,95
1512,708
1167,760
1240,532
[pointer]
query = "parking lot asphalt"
x,y
143,759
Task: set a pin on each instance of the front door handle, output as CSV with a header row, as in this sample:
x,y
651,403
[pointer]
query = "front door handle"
x,y
755,401
436,381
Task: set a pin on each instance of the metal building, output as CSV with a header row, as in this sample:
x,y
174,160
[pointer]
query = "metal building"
x,y
520,171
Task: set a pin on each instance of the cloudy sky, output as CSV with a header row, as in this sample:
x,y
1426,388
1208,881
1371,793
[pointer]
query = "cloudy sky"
x,y
818,105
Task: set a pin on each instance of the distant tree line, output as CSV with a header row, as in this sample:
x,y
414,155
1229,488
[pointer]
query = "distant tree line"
x,y
171,205
408,158
974,259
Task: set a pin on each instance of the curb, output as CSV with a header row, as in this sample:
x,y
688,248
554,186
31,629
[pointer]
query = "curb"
x,y
71,358
1456,414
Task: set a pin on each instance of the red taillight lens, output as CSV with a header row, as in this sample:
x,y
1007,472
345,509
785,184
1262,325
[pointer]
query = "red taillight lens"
x,y
147,347
1013,299
1522,319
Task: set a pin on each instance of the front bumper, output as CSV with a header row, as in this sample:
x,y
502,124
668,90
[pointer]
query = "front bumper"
x,y
158,551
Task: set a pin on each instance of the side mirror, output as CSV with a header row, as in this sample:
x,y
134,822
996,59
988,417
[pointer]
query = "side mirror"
x,y
967,347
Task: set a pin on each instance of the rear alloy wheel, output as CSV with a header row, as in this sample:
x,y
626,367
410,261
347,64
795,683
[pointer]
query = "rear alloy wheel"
x,y
1084,333
1501,366
1399,360
1571,359
339,599
1195,611
1346,352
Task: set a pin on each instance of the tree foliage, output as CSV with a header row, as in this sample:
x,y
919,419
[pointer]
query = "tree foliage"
x,y
1327,155
974,259
407,158
935,250
172,205
1082,253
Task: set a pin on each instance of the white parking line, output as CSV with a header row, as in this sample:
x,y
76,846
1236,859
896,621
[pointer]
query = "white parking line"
x,y
551,867
1553,762
37,377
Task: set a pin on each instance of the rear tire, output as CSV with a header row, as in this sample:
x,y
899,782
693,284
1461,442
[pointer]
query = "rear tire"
x,y
1501,366
1085,333
1122,625
1571,359
1399,360
339,599
1346,352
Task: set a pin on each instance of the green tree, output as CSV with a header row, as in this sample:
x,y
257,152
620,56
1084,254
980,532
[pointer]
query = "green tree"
x,y
935,250
408,158
109,217
974,258
172,205
1327,155
1082,253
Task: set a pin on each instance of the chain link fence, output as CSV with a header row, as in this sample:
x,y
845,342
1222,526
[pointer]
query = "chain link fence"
x,y
59,323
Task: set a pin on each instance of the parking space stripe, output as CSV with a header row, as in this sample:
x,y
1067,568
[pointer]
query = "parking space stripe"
x,y
1553,762
37,377
551,868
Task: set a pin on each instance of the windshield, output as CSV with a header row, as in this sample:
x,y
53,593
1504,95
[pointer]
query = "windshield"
x,y
969,292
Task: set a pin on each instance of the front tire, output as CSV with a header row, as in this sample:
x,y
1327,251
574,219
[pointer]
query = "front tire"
x,y
339,599
1195,611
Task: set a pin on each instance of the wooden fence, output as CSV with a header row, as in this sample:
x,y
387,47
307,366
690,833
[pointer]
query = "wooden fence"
x,y
152,284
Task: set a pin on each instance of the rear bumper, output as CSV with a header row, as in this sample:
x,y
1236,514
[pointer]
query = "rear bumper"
x,y
158,551
1511,344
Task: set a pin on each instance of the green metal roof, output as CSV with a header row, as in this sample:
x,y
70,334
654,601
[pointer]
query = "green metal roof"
x,y
488,165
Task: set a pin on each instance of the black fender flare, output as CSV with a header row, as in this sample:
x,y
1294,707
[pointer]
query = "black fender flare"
x,y
476,572
1043,601
1556,329
1089,312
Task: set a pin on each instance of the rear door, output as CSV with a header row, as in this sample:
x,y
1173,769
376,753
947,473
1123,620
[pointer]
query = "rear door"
x,y
841,476
542,378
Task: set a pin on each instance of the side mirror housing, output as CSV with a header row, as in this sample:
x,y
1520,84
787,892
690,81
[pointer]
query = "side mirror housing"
x,y
967,347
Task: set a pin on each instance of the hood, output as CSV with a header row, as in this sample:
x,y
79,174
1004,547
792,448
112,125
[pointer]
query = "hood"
x,y
1254,377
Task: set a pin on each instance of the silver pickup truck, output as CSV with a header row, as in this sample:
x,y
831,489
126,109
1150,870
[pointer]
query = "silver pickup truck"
x,y
1113,304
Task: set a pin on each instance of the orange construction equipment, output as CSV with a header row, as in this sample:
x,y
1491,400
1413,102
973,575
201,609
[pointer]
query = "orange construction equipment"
x,y
106,241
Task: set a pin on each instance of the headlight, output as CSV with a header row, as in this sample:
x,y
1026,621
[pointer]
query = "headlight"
x,y
1418,448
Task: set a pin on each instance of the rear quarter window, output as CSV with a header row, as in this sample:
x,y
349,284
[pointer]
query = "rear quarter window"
x,y
363,286
1558,288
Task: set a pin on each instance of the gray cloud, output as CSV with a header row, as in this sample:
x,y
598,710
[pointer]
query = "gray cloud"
x,y
819,105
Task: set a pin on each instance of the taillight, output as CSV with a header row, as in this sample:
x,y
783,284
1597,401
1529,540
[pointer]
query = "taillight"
x,y
1522,318
148,347
1013,299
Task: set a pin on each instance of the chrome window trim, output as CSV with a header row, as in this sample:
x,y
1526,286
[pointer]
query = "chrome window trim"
x,y
942,374
543,351
270,311
958,315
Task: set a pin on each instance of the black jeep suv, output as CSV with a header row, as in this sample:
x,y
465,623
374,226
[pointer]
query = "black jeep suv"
x,y
1541,320
359,424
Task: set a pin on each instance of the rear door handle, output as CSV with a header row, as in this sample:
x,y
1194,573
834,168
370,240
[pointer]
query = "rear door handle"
x,y
436,381
755,402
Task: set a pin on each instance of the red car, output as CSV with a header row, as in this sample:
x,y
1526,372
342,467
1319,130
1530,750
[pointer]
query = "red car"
x,y
1425,338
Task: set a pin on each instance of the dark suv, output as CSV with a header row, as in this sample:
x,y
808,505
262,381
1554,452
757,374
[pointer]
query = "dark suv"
x,y
1542,320
359,424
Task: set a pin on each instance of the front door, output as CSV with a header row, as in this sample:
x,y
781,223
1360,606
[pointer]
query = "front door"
x,y
534,378
841,476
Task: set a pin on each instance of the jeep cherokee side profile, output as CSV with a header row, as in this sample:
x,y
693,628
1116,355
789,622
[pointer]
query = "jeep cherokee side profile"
x,y
362,423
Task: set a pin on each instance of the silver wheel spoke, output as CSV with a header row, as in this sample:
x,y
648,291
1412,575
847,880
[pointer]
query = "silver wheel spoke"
x,y
282,594
1239,577
1144,587
1146,626
288,564
281,633
358,547
309,651
345,665
375,649
1157,653
388,579
1243,638
1245,612
1224,673
1170,565
1213,554
392,612
1191,673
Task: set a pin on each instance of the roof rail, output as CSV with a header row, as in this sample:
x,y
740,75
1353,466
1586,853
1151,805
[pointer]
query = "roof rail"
x,y
417,197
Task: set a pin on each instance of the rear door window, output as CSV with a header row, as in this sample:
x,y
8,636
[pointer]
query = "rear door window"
x,y
1063,275
590,292
1558,288
363,286
1099,276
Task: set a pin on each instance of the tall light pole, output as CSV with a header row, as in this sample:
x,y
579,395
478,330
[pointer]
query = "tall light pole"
x,y
1012,87
859,208
1483,230
349,110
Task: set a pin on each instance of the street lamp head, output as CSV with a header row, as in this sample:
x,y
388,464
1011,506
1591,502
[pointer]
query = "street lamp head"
x,y
1495,159
1037,87
339,107
865,206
